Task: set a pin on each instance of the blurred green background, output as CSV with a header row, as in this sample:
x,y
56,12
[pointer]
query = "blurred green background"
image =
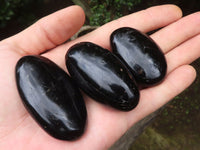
x,y
178,126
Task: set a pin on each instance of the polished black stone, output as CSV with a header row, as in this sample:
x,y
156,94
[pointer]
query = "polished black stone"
x,y
102,76
140,54
51,97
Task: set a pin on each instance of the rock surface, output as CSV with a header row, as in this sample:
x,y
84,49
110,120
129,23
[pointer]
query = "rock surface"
x,y
140,54
102,76
51,97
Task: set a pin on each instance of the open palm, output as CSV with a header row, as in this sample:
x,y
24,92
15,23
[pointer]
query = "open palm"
x,y
179,40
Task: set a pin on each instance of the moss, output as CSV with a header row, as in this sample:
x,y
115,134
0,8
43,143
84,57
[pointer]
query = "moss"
x,y
153,140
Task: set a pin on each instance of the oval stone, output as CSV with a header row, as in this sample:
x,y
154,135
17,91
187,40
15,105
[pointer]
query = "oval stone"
x,y
140,54
51,97
102,76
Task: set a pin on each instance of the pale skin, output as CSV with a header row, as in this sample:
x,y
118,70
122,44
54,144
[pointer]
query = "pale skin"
x,y
179,40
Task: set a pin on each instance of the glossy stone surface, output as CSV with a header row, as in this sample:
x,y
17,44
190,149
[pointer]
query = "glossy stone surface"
x,y
51,97
102,76
140,54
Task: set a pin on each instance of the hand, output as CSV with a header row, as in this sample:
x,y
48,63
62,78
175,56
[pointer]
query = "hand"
x,y
179,40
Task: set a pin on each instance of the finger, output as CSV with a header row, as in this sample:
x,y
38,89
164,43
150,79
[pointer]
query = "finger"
x,y
184,54
178,32
145,21
155,97
49,31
